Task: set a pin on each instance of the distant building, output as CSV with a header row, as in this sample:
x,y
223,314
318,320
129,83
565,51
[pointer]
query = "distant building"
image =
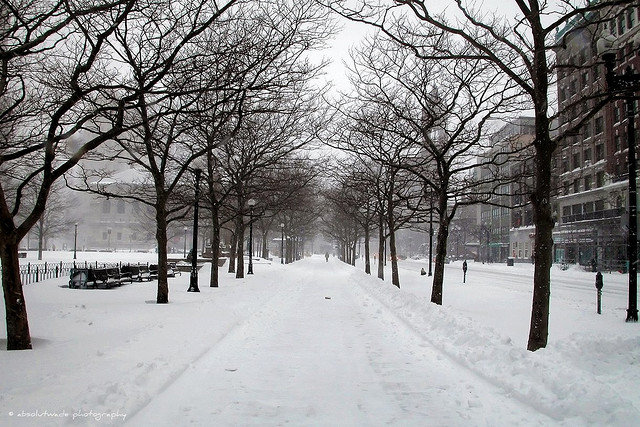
x,y
505,222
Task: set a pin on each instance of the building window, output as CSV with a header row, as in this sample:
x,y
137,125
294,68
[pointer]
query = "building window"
x,y
599,124
621,24
600,179
120,206
631,19
586,130
599,205
576,186
576,160
118,236
599,152
106,206
616,114
587,155
617,143
587,183
585,79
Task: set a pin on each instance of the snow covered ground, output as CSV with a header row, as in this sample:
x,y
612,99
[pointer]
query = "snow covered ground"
x,y
323,344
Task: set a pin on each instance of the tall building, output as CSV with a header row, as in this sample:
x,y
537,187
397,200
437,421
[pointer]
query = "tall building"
x,y
506,220
591,161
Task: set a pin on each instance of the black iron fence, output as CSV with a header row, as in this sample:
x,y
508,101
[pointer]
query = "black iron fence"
x,y
31,273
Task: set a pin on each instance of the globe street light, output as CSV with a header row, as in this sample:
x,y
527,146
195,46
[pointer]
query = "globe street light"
x,y
251,204
624,86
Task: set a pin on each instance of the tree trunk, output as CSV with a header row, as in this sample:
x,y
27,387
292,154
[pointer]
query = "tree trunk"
x,y
265,245
240,247
161,239
543,219
353,253
441,250
232,253
18,336
381,247
40,237
395,277
367,262
215,247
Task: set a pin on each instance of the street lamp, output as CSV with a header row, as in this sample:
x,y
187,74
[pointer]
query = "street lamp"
x,y
251,204
184,252
282,243
193,279
75,240
624,86
431,236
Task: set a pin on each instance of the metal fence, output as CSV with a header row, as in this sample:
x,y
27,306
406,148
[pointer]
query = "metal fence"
x,y
31,273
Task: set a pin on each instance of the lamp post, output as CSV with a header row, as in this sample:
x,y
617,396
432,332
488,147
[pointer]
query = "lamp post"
x,y
184,252
193,279
431,236
624,86
251,204
75,240
282,243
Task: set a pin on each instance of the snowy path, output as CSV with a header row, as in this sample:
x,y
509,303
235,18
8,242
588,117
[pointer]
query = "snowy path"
x,y
324,352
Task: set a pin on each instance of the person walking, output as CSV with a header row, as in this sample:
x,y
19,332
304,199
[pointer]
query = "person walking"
x,y
464,271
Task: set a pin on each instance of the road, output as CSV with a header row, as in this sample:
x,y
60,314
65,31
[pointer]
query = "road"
x,y
323,351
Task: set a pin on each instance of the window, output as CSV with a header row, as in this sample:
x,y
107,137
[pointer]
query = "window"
x,y
599,205
617,143
587,155
576,186
599,152
106,206
572,88
576,160
585,79
631,19
587,183
566,211
600,179
621,22
616,114
120,206
586,130
118,236
599,124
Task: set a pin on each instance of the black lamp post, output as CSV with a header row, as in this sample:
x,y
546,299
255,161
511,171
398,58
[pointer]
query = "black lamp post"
x,y
75,240
251,204
624,86
431,236
193,279
282,243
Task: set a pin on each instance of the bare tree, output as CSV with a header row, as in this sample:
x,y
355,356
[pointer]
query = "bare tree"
x,y
55,83
521,48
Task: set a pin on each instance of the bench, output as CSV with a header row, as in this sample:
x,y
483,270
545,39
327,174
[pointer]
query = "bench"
x,y
101,276
79,278
138,273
